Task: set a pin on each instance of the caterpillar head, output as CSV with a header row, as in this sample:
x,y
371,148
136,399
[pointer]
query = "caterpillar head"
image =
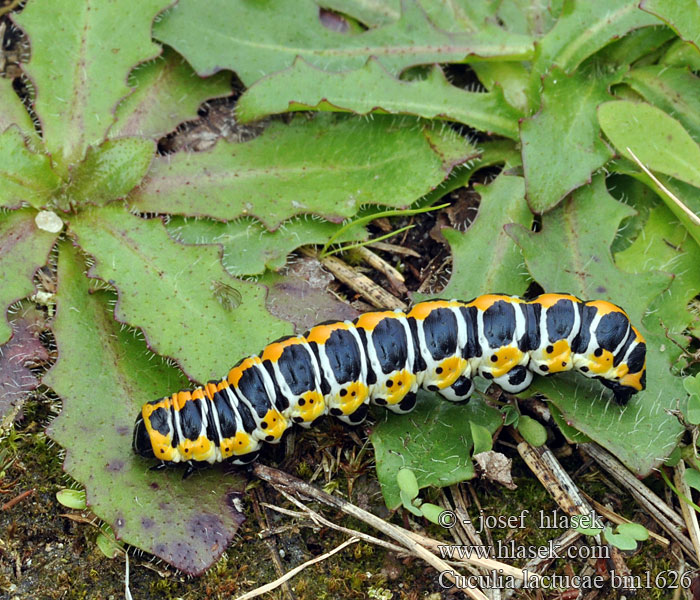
x,y
630,377
142,441
153,432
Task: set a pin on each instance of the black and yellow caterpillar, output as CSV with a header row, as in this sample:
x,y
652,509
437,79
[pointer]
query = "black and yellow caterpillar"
x,y
336,368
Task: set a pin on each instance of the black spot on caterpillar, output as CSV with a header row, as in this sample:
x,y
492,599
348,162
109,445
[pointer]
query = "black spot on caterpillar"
x,y
337,368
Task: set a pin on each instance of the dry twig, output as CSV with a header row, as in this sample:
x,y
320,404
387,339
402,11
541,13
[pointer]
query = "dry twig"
x,y
363,285
268,587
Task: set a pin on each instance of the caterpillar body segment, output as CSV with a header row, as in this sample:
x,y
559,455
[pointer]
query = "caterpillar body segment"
x,y
337,368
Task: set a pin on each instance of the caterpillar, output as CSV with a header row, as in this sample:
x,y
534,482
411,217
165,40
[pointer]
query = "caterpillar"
x,y
337,368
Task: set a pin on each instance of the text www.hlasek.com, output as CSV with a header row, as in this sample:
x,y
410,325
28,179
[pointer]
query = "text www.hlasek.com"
x,y
510,550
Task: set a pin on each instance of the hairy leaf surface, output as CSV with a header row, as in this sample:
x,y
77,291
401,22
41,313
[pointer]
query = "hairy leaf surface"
x,y
255,39
166,92
434,441
561,144
329,166
103,375
80,63
25,176
249,248
170,291
659,141
23,249
373,89
484,258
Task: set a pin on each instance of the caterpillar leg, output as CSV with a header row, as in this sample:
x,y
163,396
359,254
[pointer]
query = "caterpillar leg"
x,y
516,380
356,417
459,391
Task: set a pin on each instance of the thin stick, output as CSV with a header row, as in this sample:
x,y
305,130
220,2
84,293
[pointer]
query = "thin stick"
x,y
377,262
363,285
10,7
318,518
268,587
690,214
394,249
400,535
17,499
690,516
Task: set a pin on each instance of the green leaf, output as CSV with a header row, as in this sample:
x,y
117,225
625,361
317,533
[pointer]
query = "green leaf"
x,y
373,89
23,249
166,92
407,503
572,435
621,541
109,546
572,254
12,111
373,13
635,530
256,39
588,530
675,456
158,512
512,77
510,414
434,442
168,290
683,16
675,91
249,248
109,171
25,176
485,259
72,498
658,140
561,144
483,440
692,478
79,64
584,28
328,166
636,46
692,386
533,431
407,482
461,15
432,512
681,54
685,192
665,246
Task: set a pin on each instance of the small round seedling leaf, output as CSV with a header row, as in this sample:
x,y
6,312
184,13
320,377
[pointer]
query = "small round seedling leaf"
x,y
589,530
407,502
634,530
108,545
533,432
407,482
692,478
72,498
619,540
483,442
692,386
692,413
432,512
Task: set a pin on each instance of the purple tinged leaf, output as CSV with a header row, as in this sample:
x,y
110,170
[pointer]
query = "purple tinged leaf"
x,y
103,375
